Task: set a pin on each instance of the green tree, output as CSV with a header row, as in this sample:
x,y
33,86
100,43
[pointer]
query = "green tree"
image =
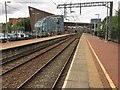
x,y
115,22
114,34
3,26
20,26
14,27
9,27
26,24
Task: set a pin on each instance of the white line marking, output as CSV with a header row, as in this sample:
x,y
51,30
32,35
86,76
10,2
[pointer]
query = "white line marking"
x,y
105,72
65,82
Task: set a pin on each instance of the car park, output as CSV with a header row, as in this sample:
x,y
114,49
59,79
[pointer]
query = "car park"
x,y
3,37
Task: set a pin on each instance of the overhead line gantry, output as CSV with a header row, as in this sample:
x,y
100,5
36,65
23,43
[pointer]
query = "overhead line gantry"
x,y
108,4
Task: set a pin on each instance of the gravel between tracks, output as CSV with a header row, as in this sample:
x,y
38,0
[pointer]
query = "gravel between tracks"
x,y
61,80
48,75
16,77
6,67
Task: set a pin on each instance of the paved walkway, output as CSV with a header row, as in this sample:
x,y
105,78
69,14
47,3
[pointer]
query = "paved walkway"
x,y
107,54
95,64
83,72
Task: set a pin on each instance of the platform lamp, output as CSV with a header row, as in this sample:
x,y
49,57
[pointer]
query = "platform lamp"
x,y
6,17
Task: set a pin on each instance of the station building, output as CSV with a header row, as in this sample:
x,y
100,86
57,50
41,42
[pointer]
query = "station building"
x,y
36,14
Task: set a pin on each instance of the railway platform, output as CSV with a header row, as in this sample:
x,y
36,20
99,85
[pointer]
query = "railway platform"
x,y
94,65
25,42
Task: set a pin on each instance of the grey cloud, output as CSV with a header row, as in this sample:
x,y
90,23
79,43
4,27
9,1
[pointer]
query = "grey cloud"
x,y
18,5
11,8
29,1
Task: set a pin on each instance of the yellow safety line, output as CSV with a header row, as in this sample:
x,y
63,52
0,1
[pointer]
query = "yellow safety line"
x,y
105,72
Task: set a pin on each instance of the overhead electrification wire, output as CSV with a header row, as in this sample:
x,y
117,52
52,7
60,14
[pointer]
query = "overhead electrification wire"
x,y
77,17
14,8
60,9
54,3
17,9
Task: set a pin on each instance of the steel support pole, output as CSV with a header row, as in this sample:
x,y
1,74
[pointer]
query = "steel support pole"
x,y
110,21
106,32
6,20
65,11
35,23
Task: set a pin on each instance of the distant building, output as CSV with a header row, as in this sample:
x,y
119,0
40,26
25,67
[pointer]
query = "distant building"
x,y
36,14
95,21
50,25
13,21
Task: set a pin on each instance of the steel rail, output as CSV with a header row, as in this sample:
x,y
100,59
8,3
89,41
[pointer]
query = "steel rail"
x,y
53,86
31,59
22,55
27,80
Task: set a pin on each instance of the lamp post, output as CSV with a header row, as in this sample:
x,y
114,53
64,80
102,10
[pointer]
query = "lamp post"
x,y
106,33
97,22
6,17
35,20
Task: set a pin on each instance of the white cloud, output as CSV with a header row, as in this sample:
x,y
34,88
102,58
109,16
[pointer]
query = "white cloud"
x,y
47,5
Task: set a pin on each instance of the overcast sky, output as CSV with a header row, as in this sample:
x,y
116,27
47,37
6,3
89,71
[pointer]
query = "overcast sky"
x,y
19,8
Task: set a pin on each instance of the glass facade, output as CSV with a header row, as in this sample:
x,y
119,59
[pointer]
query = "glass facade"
x,y
50,25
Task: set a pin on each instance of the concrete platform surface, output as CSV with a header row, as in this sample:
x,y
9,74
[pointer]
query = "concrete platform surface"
x,y
25,42
82,72
105,54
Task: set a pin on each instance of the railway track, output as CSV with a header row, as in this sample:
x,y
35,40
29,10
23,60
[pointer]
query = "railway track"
x,y
61,78
48,75
25,71
7,59
9,66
